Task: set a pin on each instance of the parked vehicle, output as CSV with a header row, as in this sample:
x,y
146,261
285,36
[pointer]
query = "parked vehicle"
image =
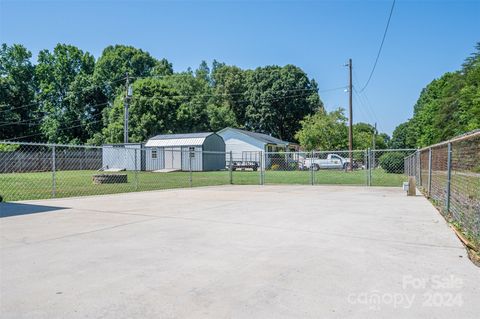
x,y
332,161
242,165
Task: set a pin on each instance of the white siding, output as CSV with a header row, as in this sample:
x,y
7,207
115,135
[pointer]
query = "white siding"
x,y
127,157
153,164
196,160
238,143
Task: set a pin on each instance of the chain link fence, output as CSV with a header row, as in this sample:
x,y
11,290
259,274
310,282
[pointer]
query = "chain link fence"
x,y
368,168
37,171
449,174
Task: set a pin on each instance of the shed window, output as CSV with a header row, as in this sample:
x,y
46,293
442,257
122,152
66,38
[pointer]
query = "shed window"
x,y
154,154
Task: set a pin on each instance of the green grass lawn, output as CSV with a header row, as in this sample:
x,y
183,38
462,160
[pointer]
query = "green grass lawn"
x,y
23,186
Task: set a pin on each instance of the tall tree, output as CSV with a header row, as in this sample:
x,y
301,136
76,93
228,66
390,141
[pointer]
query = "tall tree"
x,y
152,111
401,137
278,98
60,74
447,107
116,61
194,94
364,134
323,131
18,111
230,87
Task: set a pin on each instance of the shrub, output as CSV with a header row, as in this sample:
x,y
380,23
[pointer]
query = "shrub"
x,y
8,147
1,198
392,162
292,166
275,167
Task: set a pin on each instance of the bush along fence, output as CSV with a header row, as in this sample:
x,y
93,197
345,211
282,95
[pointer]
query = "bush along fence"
x,y
37,171
449,174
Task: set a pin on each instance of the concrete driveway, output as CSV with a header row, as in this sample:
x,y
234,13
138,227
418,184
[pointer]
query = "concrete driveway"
x,y
234,252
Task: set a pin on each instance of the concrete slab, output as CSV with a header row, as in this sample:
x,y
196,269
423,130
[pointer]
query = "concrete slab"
x,y
114,169
234,252
167,170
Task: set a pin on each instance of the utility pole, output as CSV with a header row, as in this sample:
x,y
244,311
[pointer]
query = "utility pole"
x,y
128,96
350,120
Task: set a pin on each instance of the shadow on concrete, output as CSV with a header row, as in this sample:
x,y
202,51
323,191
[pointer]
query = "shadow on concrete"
x,y
16,209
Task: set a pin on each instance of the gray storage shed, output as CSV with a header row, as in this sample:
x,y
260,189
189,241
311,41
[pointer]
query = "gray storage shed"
x,y
205,152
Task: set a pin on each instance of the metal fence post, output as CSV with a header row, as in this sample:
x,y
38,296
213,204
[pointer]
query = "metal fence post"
x,y
406,166
369,167
190,154
230,168
136,168
365,164
429,171
54,178
267,160
312,182
411,166
449,175
261,168
419,167
264,169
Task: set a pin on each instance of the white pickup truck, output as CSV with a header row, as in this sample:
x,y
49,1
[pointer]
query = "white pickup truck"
x,y
333,161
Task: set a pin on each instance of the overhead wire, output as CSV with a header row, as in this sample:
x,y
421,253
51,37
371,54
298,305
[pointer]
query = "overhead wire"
x,y
60,129
364,102
27,122
361,109
13,107
17,107
365,96
40,122
195,95
380,48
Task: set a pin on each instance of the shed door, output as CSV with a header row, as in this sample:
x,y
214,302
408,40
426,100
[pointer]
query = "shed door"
x,y
173,158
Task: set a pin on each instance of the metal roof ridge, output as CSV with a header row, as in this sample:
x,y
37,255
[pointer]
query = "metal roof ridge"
x,y
263,136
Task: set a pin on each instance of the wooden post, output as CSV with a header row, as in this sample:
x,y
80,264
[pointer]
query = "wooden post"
x,y
412,187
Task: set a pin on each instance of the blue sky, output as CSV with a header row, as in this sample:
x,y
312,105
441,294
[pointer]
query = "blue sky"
x,y
425,39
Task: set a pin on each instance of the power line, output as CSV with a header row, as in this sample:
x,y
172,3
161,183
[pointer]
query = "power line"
x,y
16,108
380,49
60,129
363,101
41,122
234,93
361,109
191,95
364,104
369,103
28,122
88,122
40,102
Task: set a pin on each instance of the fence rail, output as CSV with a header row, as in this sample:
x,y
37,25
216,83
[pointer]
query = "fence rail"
x,y
449,174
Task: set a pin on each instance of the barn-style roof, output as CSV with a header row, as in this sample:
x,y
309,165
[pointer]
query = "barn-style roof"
x,y
188,139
